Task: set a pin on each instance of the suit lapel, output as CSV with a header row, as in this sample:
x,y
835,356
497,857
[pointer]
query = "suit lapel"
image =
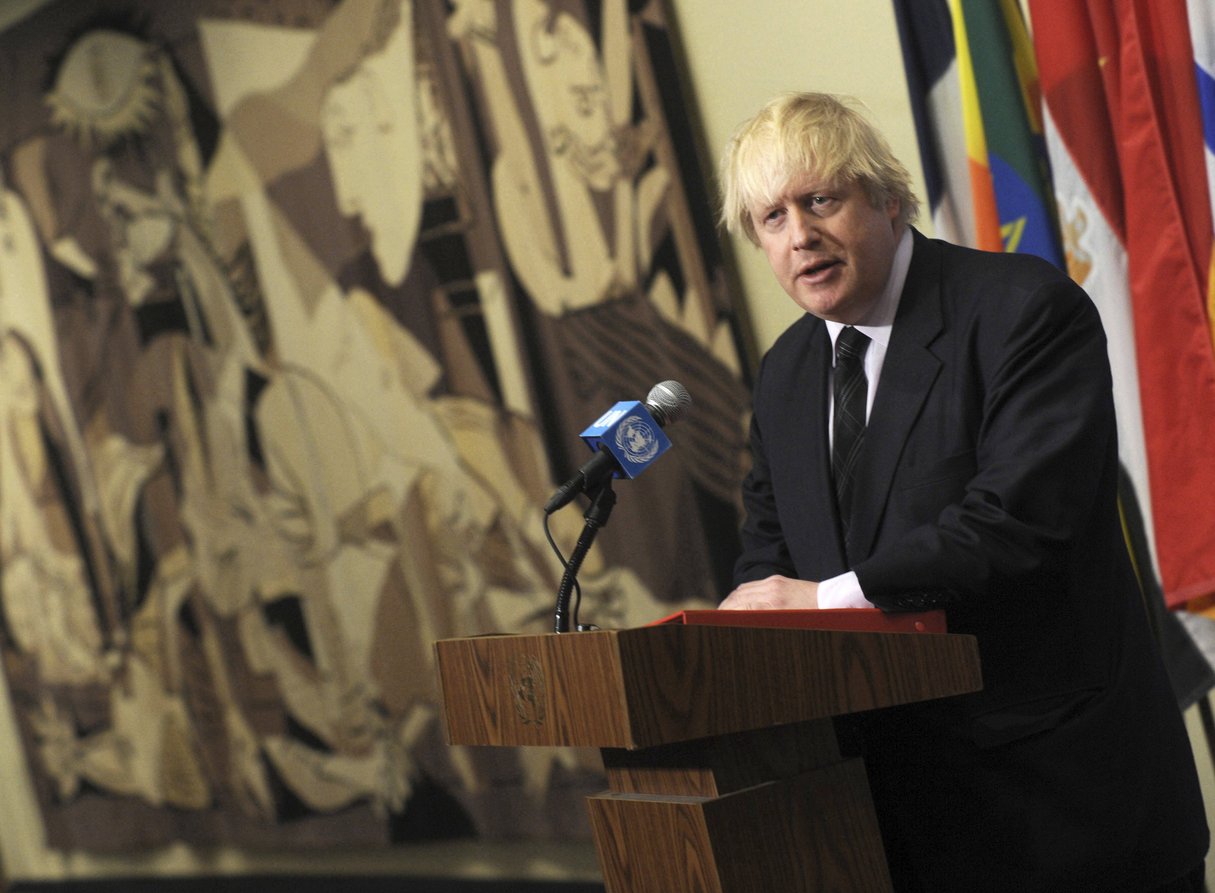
x,y
908,373
804,431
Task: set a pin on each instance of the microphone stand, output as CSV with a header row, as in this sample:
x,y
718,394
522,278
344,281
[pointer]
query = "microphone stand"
x,y
603,499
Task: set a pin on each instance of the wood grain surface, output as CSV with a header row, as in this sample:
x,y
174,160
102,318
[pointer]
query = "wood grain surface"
x,y
655,685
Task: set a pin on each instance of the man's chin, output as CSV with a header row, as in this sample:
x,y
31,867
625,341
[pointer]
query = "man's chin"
x,y
822,306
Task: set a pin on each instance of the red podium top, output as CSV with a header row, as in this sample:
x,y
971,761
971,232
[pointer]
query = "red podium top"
x,y
851,619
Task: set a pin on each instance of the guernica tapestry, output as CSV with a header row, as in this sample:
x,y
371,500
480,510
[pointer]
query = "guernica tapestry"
x,y
303,305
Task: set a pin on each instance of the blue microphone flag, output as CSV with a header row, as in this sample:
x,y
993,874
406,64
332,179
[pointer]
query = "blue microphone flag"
x,y
630,434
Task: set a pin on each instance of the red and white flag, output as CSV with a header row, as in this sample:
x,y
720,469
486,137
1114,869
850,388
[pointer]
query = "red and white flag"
x,y
1124,129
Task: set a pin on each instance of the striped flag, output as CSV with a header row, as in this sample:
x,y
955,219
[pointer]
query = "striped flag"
x,y
1125,134
988,223
931,65
1007,101
986,167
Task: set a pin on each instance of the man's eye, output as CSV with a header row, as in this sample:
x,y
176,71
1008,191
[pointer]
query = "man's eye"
x,y
821,204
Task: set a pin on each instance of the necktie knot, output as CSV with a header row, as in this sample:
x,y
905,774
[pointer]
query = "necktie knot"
x,y
850,344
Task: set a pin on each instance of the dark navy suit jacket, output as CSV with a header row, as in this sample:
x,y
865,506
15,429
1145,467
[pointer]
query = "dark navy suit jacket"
x,y
988,486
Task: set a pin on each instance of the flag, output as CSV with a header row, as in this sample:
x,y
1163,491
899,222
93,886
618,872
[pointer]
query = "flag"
x,y
931,66
974,95
1125,134
1004,81
1202,34
982,183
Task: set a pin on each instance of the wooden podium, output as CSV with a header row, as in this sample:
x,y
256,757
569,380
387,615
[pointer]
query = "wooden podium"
x,y
723,768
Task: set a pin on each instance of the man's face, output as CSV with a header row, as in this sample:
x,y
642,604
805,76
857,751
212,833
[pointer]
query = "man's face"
x,y
829,247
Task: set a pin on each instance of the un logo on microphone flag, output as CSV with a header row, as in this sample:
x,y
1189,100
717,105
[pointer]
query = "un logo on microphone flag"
x,y
630,434
637,439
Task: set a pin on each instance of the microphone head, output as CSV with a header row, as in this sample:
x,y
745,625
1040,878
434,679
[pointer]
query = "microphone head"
x,y
667,402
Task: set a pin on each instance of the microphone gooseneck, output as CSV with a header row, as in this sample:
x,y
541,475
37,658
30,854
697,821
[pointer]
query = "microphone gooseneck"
x,y
626,443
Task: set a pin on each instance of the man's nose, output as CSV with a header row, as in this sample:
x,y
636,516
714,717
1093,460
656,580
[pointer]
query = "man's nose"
x,y
803,229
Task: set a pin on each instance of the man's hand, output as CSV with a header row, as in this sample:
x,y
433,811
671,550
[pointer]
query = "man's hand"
x,y
773,593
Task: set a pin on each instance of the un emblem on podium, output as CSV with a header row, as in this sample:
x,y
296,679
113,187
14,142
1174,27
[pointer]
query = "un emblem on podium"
x,y
528,688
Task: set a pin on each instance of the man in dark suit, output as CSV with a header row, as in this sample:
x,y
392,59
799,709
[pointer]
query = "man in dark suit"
x,y
979,476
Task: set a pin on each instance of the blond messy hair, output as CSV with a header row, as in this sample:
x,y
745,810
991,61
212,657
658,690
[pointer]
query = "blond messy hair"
x,y
816,132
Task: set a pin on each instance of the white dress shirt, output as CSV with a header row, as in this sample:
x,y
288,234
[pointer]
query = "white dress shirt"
x,y
844,591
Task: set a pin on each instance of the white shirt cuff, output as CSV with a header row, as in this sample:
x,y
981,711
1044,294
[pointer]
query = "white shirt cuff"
x,y
843,591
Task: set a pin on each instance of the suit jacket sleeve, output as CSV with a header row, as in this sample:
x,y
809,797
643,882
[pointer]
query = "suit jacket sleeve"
x,y
765,551
1013,490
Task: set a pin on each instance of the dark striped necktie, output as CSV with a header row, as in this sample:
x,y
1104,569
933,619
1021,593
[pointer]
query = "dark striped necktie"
x,y
848,429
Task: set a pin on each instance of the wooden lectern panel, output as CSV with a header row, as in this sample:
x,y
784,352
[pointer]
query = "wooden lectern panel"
x,y
816,832
653,685
769,809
